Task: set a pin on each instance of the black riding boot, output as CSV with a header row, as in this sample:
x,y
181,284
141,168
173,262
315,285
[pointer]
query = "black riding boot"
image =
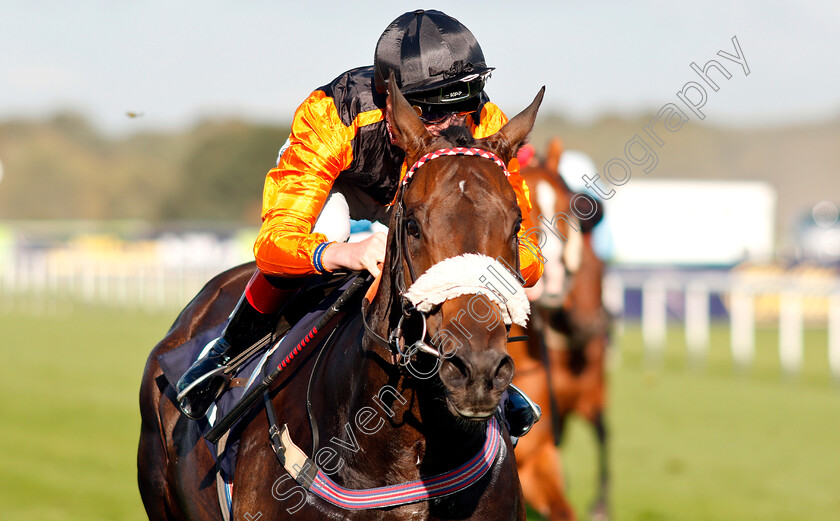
x,y
520,413
204,380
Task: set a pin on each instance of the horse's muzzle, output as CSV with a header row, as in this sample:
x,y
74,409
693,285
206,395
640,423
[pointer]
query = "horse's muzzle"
x,y
475,381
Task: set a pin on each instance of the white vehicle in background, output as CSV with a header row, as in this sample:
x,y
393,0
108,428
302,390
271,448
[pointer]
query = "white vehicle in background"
x,y
678,222
692,222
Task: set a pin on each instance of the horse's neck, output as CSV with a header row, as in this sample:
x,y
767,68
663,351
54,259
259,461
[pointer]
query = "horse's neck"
x,y
387,420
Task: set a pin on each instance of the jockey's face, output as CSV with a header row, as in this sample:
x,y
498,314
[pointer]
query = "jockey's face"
x,y
452,120
437,115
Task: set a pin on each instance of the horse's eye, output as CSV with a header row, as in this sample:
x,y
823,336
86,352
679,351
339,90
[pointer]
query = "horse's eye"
x,y
412,228
517,227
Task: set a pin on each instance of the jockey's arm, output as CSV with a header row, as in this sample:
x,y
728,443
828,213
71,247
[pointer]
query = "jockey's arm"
x,y
296,190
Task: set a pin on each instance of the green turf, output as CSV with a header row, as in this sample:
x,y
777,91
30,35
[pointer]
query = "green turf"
x,y
689,443
716,443
70,417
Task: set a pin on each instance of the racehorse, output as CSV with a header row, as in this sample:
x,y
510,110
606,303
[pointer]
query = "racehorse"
x,y
562,364
387,425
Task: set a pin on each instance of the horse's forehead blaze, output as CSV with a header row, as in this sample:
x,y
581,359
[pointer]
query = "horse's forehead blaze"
x,y
448,180
465,204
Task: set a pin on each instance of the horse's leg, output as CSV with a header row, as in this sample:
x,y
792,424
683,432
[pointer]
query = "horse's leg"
x,y
542,483
151,459
600,508
592,405
172,477
161,490
152,456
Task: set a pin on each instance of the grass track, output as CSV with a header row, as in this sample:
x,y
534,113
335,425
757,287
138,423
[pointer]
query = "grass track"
x,y
70,415
689,444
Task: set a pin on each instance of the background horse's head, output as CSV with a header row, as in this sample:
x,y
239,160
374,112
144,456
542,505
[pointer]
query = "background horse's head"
x,y
561,249
454,206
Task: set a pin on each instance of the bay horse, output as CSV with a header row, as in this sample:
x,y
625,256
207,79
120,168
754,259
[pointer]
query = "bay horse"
x,y
453,205
562,365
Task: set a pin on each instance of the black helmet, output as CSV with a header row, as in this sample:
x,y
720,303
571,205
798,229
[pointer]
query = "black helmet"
x,y
435,59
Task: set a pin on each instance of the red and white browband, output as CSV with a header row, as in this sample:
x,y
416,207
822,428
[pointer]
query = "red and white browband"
x,y
457,151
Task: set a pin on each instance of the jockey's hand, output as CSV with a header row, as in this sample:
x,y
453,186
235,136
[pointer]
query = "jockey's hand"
x,y
365,255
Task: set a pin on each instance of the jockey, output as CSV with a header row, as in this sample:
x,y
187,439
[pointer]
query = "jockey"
x,y
340,163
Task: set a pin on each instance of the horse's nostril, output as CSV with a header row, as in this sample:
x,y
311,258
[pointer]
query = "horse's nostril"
x,y
462,366
455,371
504,373
490,371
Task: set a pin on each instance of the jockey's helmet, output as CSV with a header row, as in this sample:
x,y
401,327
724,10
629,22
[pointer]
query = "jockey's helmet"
x,y
437,62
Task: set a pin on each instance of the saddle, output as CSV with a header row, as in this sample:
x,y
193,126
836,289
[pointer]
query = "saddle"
x,y
296,320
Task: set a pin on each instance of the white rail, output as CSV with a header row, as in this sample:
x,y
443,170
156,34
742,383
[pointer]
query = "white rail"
x,y
787,294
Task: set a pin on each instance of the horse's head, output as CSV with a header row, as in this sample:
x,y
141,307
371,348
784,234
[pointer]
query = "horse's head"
x,y
551,210
452,206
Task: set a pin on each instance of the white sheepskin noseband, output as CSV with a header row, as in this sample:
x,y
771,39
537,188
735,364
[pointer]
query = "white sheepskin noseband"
x,y
468,274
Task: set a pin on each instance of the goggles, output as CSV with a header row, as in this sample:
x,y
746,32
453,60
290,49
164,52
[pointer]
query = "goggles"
x,y
433,115
463,90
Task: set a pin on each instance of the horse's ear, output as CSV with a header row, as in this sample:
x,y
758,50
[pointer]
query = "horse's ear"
x,y
408,130
510,137
555,150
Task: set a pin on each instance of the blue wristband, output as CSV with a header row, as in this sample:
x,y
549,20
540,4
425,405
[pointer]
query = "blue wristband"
x,y
316,257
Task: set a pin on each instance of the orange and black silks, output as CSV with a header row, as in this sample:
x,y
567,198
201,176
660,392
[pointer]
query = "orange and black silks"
x,y
339,135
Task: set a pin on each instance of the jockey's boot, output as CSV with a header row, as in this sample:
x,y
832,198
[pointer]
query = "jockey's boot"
x,y
252,319
520,413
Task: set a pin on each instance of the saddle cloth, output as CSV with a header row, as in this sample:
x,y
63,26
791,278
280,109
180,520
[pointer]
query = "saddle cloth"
x,y
175,362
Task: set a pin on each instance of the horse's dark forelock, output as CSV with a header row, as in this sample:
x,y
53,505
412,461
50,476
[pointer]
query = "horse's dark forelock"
x,y
458,136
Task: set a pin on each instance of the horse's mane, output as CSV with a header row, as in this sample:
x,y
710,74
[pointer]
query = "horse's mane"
x,y
458,136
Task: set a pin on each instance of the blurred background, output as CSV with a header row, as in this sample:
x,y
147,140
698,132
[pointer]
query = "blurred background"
x,y
134,141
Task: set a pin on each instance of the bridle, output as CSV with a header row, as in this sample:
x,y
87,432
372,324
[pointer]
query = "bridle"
x,y
307,472
403,351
